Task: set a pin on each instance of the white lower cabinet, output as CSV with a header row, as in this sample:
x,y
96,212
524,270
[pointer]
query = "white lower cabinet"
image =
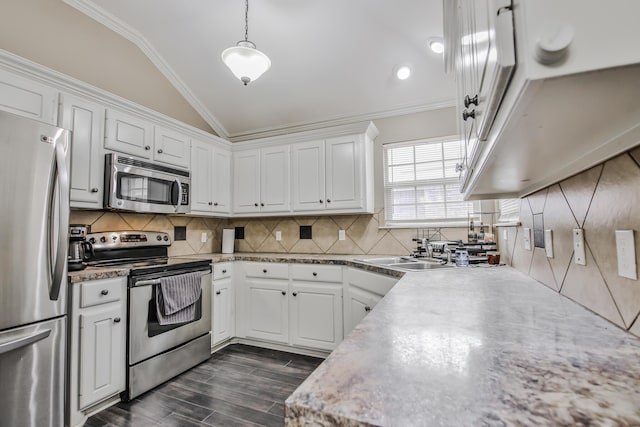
x,y
222,304
363,290
98,347
316,315
268,307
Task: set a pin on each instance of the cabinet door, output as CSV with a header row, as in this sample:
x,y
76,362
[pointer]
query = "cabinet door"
x,y
267,310
308,176
201,176
221,181
102,353
171,147
358,303
223,312
128,134
27,98
246,181
316,315
344,159
275,172
86,121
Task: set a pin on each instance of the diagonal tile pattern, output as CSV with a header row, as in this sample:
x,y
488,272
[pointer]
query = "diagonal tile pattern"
x,y
601,200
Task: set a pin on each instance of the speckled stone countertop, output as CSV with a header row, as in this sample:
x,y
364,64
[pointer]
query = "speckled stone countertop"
x,y
96,273
475,347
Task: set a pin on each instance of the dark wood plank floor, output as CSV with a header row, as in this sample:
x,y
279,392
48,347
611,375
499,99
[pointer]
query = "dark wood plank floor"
x,y
238,386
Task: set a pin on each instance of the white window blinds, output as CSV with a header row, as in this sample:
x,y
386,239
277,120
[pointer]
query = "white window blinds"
x,y
509,210
421,183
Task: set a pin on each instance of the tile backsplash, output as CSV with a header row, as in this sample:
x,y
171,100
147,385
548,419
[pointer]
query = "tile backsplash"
x,y
600,200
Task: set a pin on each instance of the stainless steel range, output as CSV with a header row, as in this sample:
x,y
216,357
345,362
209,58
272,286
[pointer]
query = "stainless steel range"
x,y
155,352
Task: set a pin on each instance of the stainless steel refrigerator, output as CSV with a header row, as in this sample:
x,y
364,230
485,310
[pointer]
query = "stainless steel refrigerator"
x,y
34,223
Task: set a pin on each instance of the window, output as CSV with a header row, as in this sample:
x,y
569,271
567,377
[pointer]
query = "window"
x,y
509,210
422,185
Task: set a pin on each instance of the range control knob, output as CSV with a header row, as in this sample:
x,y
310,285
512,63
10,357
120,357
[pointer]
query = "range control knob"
x,y
103,239
166,238
114,237
92,240
158,237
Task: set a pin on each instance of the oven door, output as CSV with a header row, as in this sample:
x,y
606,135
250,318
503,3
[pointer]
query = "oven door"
x,y
146,337
140,186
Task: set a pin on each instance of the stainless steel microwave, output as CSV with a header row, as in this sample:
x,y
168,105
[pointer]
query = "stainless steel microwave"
x,y
139,186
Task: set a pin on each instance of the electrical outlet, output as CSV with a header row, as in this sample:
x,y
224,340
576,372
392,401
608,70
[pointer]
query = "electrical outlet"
x,y
278,235
342,235
548,243
578,246
527,238
505,235
203,237
626,250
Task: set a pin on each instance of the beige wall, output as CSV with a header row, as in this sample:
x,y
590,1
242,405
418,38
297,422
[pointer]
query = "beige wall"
x,y
601,200
55,35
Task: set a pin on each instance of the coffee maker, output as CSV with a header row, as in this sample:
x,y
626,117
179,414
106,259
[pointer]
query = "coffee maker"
x,y
79,248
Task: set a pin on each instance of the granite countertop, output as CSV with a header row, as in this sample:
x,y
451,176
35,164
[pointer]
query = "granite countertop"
x,y
471,347
96,273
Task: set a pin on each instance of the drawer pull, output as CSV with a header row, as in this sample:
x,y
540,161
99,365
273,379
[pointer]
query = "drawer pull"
x,y
468,100
215,203
367,308
328,200
160,151
94,190
320,200
468,114
147,147
104,292
210,203
224,271
284,292
264,270
314,274
116,320
295,294
217,292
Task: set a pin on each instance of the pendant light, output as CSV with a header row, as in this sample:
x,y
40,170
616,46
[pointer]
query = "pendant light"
x,y
245,61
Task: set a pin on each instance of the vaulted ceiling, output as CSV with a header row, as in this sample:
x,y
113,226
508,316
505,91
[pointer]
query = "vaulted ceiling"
x,y
332,60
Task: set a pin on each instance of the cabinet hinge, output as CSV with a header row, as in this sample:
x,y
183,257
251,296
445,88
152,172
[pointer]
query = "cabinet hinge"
x,y
504,9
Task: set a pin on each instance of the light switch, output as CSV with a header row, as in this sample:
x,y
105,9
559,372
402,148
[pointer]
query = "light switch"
x,y
548,243
626,249
203,237
278,235
342,235
578,246
527,238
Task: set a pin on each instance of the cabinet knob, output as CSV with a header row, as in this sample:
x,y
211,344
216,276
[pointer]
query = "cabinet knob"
x,y
224,271
295,294
116,320
328,200
94,190
284,292
147,147
320,200
314,274
160,151
255,204
367,308
468,114
217,292
215,203
468,100
261,204
210,203
104,292
264,270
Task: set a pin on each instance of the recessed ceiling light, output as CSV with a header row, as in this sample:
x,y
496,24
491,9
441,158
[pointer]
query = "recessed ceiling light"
x,y
436,44
403,72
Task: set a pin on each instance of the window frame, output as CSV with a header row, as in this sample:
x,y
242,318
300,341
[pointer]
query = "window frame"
x,y
389,222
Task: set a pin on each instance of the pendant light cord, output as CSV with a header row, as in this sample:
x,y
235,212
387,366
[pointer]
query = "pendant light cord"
x,y
246,21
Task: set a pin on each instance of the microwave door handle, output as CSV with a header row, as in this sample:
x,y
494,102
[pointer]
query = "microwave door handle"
x,y
63,219
179,201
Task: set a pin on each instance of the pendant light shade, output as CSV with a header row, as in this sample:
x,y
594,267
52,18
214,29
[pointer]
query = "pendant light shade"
x,y
245,61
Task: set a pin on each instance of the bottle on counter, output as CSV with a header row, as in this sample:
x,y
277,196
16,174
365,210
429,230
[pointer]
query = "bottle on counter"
x,y
481,233
472,237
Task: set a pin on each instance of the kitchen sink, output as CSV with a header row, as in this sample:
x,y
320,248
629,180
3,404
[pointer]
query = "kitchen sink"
x,y
406,263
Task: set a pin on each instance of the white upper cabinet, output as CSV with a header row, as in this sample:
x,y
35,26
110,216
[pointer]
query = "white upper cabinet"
x,y
539,97
129,134
332,175
86,121
261,180
28,98
210,178
171,147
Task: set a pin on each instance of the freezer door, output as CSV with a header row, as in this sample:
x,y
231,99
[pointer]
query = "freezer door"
x,y
34,220
32,373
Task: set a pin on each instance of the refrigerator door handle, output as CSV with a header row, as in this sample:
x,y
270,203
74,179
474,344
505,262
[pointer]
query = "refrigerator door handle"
x,y
63,219
23,341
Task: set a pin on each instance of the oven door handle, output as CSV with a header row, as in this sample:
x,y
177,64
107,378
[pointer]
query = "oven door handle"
x,y
179,201
146,283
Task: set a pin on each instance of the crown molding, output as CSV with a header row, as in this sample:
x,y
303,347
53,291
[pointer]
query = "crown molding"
x,y
67,84
118,26
338,121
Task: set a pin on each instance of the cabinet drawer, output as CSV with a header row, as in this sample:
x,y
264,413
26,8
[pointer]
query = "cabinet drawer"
x,y
316,273
269,270
99,292
222,270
